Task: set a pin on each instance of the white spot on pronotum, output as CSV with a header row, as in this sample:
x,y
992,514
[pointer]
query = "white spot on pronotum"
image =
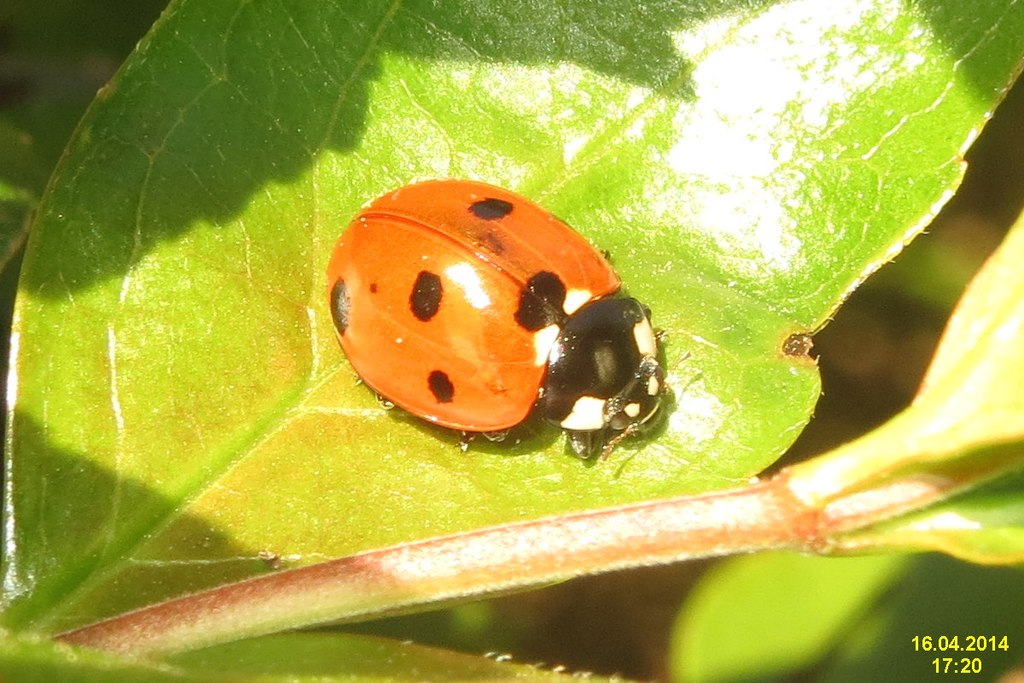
x,y
646,341
653,386
587,415
632,410
574,299
543,340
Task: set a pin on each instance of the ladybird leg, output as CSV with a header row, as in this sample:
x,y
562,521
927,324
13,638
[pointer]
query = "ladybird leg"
x,y
649,379
384,403
465,438
682,359
585,444
496,436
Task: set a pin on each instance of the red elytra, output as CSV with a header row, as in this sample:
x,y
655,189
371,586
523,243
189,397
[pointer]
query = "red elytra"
x,y
436,291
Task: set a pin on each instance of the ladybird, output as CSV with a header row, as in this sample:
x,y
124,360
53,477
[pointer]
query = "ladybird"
x,y
472,307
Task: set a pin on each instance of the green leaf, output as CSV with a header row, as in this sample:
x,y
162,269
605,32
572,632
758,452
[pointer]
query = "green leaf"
x,y
965,427
182,415
936,596
345,657
766,617
27,660
286,657
982,525
785,617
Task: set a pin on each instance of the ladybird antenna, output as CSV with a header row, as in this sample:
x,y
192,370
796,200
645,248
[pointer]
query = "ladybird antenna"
x,y
611,444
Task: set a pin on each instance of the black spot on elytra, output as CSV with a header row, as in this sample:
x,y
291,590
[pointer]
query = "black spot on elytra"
x,y
541,301
441,387
340,305
425,298
373,288
491,209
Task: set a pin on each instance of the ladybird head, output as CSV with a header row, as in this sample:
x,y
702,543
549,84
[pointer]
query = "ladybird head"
x,y
603,377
